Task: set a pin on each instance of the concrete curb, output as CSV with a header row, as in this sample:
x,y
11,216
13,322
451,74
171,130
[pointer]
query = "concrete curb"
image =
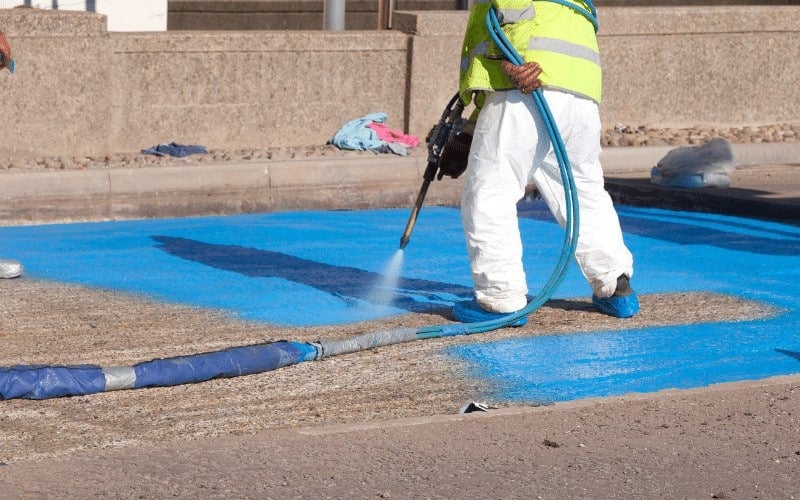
x,y
765,184
235,187
642,159
208,189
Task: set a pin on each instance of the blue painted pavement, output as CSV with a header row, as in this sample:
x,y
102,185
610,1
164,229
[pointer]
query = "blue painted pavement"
x,y
674,252
314,268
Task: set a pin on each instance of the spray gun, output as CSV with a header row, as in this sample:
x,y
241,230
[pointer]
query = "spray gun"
x,y
448,150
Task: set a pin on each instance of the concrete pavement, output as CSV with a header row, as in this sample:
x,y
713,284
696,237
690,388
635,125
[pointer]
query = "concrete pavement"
x,y
729,441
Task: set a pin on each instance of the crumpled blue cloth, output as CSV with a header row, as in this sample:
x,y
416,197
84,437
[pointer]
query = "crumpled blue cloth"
x,y
356,135
175,149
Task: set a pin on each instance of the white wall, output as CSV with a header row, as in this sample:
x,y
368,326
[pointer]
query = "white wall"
x,y
122,15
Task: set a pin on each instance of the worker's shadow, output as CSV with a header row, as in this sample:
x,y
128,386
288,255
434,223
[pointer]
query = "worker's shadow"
x,y
349,283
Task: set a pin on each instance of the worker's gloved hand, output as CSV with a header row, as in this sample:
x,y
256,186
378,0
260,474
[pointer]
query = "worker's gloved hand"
x,y
525,77
5,51
454,156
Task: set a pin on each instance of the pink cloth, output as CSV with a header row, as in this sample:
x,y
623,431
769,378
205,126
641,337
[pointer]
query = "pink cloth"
x,y
388,135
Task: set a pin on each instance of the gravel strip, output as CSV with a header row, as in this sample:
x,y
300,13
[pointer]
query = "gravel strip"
x,y
58,323
621,135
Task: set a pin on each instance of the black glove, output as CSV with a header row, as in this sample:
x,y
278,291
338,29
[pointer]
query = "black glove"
x,y
453,159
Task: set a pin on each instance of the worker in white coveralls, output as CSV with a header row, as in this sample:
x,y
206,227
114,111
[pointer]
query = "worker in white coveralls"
x,y
511,148
8,268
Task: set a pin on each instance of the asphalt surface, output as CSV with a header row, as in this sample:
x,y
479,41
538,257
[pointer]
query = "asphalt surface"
x,y
512,453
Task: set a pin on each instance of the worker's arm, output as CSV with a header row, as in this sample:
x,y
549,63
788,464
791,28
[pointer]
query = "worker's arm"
x,y
525,77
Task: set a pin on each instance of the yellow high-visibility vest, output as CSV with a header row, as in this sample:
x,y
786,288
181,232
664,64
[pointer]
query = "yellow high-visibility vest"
x,y
557,37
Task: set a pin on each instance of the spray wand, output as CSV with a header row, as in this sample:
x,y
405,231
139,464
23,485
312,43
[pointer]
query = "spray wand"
x,y
448,149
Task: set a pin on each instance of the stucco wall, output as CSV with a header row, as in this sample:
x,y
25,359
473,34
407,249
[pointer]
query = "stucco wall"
x,y
282,14
360,14
81,90
663,66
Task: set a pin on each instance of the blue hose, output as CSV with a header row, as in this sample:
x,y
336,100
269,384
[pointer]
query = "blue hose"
x,y
43,382
572,216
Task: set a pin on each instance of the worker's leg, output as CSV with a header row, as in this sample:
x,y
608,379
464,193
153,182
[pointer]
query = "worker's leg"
x,y
601,252
501,156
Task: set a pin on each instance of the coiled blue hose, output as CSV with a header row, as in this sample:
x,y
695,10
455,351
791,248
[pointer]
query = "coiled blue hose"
x,y
572,215
43,382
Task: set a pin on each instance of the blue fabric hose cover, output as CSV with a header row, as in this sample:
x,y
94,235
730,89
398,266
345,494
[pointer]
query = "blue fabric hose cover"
x,y
42,382
231,362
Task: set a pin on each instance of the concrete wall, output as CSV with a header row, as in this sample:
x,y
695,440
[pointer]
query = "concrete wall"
x,y
252,90
663,66
81,90
59,99
360,14
282,14
711,65
122,15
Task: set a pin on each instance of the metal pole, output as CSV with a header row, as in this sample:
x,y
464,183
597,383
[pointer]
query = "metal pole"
x,y
385,10
382,14
333,15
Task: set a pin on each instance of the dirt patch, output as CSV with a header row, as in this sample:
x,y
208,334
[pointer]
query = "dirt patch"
x,y
65,324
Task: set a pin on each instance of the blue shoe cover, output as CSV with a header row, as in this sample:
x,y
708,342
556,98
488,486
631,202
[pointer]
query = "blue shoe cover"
x,y
619,307
468,311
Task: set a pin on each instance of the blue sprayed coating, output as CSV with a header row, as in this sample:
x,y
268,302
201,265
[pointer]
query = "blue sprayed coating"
x,y
675,251
567,367
193,261
292,269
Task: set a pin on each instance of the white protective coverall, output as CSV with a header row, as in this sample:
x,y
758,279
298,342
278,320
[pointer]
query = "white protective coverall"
x,y
511,149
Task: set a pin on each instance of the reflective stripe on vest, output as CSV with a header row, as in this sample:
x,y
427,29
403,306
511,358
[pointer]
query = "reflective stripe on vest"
x,y
561,40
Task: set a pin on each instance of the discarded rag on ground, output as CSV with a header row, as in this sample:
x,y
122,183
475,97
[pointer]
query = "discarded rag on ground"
x,y
175,149
369,133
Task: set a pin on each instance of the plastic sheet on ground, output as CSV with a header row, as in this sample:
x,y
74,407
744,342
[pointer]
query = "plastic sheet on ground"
x,y
707,165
